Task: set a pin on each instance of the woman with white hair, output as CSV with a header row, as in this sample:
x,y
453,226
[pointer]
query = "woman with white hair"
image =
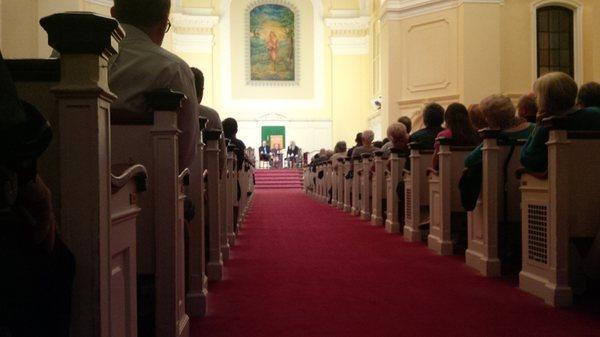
x,y
500,113
556,95
398,136
367,144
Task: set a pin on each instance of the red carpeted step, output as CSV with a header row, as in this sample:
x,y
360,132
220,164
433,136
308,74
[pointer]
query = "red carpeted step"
x,y
278,179
303,269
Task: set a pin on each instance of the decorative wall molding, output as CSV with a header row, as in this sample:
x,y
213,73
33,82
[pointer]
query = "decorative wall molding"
x,y
414,102
193,24
402,9
349,35
297,40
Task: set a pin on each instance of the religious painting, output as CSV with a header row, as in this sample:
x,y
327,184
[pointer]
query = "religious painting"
x,y
272,54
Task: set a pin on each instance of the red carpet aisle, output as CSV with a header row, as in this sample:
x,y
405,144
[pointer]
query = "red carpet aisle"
x,y
278,179
303,269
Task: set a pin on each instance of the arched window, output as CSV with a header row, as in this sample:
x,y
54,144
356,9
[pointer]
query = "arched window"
x,y
555,45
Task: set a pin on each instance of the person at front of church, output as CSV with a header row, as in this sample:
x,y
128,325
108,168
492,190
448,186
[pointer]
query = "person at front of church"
x,y
458,127
499,113
143,65
433,117
264,152
556,95
276,156
589,95
292,154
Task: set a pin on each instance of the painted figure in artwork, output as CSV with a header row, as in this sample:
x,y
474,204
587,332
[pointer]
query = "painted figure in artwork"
x,y
273,47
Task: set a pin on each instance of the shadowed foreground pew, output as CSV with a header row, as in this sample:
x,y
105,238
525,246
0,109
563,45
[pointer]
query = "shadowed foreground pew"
x,y
96,215
395,206
492,209
126,182
444,195
416,196
196,302
565,205
153,141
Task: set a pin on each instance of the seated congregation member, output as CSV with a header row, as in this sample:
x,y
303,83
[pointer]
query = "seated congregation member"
x,y
500,114
476,117
407,123
339,151
527,107
433,117
367,144
556,94
214,121
398,136
458,127
37,267
589,95
359,142
230,129
264,152
143,65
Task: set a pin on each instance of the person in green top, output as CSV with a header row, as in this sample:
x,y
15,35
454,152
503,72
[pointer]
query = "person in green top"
x,y
499,113
556,94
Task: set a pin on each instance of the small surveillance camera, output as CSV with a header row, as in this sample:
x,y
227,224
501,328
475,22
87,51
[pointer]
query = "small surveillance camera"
x,y
376,103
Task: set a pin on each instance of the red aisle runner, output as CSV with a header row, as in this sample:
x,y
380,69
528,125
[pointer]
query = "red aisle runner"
x,y
301,268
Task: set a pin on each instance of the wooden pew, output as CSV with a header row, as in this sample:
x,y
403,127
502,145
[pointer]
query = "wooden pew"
x,y
153,141
356,167
126,182
378,191
231,202
72,92
328,181
444,195
340,179
416,196
347,185
227,200
393,177
562,206
245,179
196,301
214,264
334,183
365,186
483,221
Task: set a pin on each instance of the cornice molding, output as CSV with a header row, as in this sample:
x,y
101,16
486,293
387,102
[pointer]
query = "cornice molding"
x,y
348,24
190,24
401,9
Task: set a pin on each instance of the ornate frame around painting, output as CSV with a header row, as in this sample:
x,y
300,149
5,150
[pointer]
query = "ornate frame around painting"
x,y
272,37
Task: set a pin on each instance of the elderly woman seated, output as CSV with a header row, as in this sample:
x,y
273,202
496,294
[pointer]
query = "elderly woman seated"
x,y
499,112
367,144
398,136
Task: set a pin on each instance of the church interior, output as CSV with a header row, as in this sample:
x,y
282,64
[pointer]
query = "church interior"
x,y
183,168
